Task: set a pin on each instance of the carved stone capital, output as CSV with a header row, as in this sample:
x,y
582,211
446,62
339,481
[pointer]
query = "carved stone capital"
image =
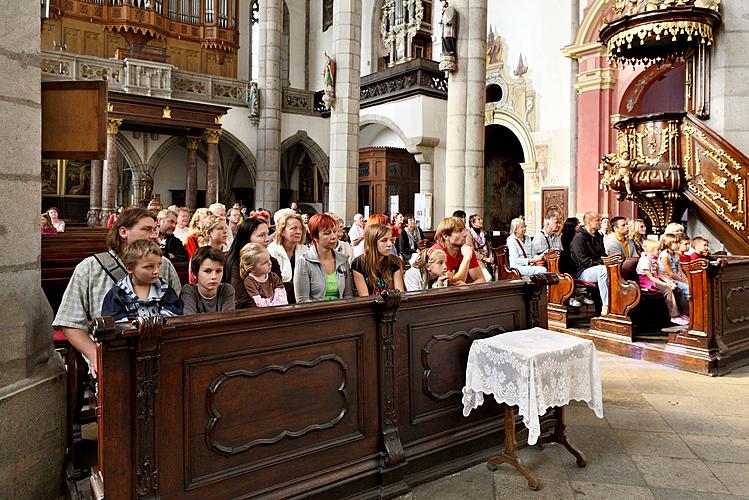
x,y
192,142
212,135
113,126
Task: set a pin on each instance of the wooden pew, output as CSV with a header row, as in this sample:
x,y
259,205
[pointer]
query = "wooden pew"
x,y
353,398
504,271
630,308
560,292
717,340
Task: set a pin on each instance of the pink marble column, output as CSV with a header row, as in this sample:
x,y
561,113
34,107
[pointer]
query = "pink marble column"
x,y
191,184
212,137
110,173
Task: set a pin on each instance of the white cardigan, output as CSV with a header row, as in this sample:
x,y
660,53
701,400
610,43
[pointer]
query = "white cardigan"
x,y
278,251
514,253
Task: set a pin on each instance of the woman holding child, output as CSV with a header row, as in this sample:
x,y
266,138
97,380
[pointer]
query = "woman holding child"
x,y
322,273
252,230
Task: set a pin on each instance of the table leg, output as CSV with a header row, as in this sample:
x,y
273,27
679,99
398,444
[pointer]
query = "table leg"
x,y
510,453
560,436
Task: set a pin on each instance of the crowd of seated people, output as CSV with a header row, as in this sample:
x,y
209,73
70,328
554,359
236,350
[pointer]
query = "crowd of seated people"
x,y
239,260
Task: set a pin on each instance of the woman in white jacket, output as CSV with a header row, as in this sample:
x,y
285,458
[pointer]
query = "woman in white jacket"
x,y
287,248
519,251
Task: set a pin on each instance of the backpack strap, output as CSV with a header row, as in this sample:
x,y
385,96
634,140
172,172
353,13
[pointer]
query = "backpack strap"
x,y
111,266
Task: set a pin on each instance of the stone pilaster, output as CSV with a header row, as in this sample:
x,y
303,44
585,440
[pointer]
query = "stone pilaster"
x,y
212,136
191,183
95,193
268,181
344,117
110,174
475,109
32,377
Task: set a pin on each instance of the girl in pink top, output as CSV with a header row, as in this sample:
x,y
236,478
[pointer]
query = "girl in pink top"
x,y
647,271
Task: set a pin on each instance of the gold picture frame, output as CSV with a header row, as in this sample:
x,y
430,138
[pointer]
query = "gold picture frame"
x,y
51,178
66,178
76,178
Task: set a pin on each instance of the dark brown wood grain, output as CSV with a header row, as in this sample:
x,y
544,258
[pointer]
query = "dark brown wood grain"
x,y
360,397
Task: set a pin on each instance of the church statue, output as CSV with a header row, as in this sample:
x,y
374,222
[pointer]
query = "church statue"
x,y
615,168
146,188
449,24
328,78
253,103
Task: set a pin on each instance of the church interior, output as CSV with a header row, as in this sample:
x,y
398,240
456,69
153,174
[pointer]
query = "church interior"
x,y
579,168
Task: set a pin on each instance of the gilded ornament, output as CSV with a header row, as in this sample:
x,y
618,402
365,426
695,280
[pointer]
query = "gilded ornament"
x,y
166,112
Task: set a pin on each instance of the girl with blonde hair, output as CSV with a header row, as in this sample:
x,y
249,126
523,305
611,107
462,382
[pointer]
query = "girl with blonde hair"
x,y
263,286
428,271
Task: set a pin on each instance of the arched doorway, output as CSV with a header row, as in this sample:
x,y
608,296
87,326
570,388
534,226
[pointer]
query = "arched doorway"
x,y
504,192
304,174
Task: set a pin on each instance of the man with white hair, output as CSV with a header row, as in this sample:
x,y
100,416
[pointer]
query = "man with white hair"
x,y
356,235
547,238
217,209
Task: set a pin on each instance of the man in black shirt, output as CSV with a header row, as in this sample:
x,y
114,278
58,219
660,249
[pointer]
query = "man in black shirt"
x,y
170,244
587,252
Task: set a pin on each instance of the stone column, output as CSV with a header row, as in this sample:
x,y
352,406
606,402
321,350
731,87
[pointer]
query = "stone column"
x,y
423,150
32,377
191,183
344,117
95,193
212,136
268,180
457,105
110,175
475,109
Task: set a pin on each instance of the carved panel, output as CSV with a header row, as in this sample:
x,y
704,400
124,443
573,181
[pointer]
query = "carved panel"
x,y
212,405
227,437
426,361
554,200
737,304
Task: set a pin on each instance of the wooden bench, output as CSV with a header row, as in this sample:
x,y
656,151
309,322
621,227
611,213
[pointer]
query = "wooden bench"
x,y
630,308
352,398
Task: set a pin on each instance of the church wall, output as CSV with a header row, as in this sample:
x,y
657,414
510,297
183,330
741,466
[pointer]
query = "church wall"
x,y
370,35
538,30
318,42
245,31
730,89
297,42
237,121
145,145
318,129
171,173
373,136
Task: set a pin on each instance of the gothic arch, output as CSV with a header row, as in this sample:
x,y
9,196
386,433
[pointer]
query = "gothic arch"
x,y
640,84
386,122
226,137
131,156
315,151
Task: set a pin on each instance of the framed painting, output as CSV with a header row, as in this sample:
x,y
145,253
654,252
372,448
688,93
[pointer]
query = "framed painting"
x,y
51,177
77,178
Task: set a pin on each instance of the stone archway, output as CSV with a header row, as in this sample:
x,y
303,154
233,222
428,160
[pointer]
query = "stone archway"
x,y
302,156
315,151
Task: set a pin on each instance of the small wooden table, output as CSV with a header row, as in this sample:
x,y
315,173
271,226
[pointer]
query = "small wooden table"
x,y
535,370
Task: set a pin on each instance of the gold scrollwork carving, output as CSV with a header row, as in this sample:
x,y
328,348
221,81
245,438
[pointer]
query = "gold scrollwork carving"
x,y
719,181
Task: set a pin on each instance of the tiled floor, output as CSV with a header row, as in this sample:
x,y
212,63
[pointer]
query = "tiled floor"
x,y
667,434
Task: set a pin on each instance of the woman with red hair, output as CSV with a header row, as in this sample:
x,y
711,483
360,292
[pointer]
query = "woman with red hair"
x,y
322,273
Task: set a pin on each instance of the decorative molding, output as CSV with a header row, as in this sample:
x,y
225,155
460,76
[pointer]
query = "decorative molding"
x,y
388,304
471,335
113,126
212,135
416,77
215,415
737,299
595,80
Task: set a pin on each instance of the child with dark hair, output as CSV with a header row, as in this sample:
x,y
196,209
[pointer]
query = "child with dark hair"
x,y
208,293
142,292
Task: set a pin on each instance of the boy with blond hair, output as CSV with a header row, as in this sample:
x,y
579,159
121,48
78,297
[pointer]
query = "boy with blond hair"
x,y
142,292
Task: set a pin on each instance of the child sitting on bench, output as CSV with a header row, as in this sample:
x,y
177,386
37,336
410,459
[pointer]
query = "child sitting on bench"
x,y
142,292
650,280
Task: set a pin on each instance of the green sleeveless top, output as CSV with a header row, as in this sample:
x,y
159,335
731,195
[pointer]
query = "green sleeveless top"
x,y
331,287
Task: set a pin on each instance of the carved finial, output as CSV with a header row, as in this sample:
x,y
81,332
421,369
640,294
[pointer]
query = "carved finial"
x,y
521,69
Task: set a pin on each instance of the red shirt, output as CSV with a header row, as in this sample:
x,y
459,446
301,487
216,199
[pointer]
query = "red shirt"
x,y
453,262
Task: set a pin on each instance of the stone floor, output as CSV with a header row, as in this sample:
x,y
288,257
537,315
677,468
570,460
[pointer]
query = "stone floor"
x,y
667,434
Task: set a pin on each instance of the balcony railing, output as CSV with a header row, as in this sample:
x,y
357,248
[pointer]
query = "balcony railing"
x,y
137,76
416,77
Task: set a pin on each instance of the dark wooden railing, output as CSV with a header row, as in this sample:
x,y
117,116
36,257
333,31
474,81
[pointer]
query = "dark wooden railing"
x,y
416,77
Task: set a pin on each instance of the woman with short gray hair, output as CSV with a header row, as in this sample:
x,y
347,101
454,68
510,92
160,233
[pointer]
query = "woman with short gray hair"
x,y
519,250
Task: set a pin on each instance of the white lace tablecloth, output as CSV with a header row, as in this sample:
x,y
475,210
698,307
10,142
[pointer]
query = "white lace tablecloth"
x,y
534,370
